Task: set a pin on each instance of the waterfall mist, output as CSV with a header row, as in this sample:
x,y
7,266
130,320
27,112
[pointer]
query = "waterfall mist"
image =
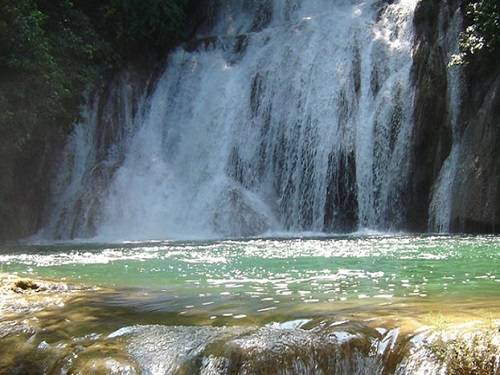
x,y
280,116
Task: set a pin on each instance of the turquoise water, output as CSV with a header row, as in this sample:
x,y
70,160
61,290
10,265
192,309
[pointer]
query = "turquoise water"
x,y
345,304
289,276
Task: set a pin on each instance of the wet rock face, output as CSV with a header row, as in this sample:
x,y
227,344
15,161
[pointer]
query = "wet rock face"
x,y
236,216
277,350
341,206
25,184
475,191
431,131
476,201
116,106
265,351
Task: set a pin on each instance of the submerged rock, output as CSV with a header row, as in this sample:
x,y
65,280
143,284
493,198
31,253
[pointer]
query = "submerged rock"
x,y
21,286
274,350
107,366
173,350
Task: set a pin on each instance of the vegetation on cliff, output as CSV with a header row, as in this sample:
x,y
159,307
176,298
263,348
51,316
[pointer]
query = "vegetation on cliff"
x,y
50,51
482,32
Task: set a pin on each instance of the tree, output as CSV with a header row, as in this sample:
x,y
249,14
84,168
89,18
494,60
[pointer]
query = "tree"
x,y
482,34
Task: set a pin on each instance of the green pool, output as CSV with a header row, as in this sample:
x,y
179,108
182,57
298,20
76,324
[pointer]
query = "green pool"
x,y
393,280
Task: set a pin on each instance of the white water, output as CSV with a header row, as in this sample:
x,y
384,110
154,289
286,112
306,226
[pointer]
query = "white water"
x,y
290,116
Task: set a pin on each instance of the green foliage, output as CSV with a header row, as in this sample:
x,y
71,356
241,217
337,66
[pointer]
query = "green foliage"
x,y
157,21
50,50
482,34
22,40
485,28
137,26
47,54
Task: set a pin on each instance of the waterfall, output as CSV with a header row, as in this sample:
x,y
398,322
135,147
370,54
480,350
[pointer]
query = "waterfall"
x,y
281,116
442,198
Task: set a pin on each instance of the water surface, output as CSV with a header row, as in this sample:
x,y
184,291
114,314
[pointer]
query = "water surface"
x,y
344,304
288,276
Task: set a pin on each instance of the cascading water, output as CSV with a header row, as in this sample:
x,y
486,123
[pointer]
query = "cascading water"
x,y
281,116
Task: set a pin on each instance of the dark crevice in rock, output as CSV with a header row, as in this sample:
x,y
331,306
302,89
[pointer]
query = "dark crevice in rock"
x,y
341,207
